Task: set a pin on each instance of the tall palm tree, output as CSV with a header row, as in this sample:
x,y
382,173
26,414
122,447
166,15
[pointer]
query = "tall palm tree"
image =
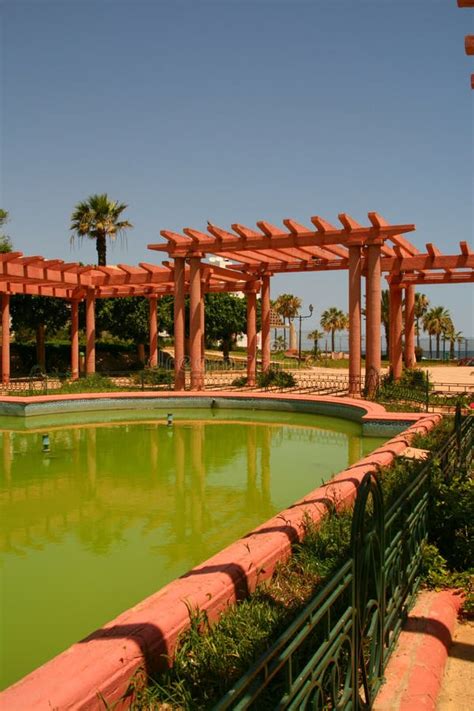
x,y
98,218
316,337
421,307
435,322
453,336
332,320
288,306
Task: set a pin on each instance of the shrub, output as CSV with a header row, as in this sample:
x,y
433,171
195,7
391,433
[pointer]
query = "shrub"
x,y
153,376
277,378
91,383
239,382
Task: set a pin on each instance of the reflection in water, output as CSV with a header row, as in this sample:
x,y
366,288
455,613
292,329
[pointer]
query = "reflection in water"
x,y
116,510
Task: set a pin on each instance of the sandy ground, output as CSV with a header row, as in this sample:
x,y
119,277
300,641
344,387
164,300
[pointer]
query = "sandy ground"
x,y
442,374
457,692
461,374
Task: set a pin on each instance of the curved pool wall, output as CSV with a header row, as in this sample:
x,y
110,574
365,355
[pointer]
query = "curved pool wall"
x,y
103,664
375,420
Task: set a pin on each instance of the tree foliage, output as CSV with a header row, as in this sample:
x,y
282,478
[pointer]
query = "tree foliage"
x,y
39,314
98,219
5,241
288,305
226,318
332,320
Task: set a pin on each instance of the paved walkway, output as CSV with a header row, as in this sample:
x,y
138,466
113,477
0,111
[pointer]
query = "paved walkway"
x,y
457,688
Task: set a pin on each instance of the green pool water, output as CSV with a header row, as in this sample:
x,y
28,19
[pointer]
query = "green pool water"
x,y
123,504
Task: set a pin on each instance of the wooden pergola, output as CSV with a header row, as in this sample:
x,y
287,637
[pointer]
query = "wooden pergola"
x,y
254,257
366,251
469,39
73,282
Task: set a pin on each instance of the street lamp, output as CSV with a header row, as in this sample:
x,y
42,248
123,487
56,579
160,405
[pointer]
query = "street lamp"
x,y
299,335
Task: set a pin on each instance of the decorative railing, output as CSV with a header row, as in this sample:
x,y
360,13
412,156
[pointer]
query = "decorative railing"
x,y
231,375
334,653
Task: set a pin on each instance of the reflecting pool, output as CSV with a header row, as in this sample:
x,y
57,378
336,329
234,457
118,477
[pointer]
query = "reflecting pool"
x,y
123,503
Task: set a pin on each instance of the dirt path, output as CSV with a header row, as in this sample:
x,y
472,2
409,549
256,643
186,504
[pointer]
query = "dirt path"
x,y
457,691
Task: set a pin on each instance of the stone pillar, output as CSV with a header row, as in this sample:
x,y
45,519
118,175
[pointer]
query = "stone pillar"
x,y
265,322
75,339
355,270
90,332
396,331
179,373
202,321
410,359
5,338
195,333
373,318
153,331
251,338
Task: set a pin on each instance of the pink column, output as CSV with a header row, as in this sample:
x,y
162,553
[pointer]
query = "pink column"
x,y
355,270
251,337
410,359
202,319
75,339
153,329
396,331
265,322
179,373
5,338
90,332
195,332
373,318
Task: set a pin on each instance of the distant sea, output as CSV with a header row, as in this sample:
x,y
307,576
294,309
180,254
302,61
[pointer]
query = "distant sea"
x,y
465,350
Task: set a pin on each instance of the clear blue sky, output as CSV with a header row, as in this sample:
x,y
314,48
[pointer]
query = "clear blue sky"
x,y
235,111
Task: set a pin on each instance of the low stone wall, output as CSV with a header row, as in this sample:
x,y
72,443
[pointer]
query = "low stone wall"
x,y
105,662
375,420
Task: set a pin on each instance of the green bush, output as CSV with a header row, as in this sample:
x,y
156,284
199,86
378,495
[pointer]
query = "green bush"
x,y
410,378
153,376
239,382
452,517
91,383
276,378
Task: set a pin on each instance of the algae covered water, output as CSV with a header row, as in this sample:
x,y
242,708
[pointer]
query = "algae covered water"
x,y
123,503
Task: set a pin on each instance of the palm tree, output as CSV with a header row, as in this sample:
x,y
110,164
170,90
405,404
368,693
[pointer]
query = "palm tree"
x,y
288,306
315,336
459,339
453,336
435,322
332,320
98,218
421,307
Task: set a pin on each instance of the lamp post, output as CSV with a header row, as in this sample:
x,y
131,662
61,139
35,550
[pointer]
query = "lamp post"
x,y
299,335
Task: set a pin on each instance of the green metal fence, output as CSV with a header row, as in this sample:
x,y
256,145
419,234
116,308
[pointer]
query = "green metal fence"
x,y
334,653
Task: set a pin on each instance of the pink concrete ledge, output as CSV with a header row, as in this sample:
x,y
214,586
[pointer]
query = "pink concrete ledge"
x,y
415,671
373,411
105,662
